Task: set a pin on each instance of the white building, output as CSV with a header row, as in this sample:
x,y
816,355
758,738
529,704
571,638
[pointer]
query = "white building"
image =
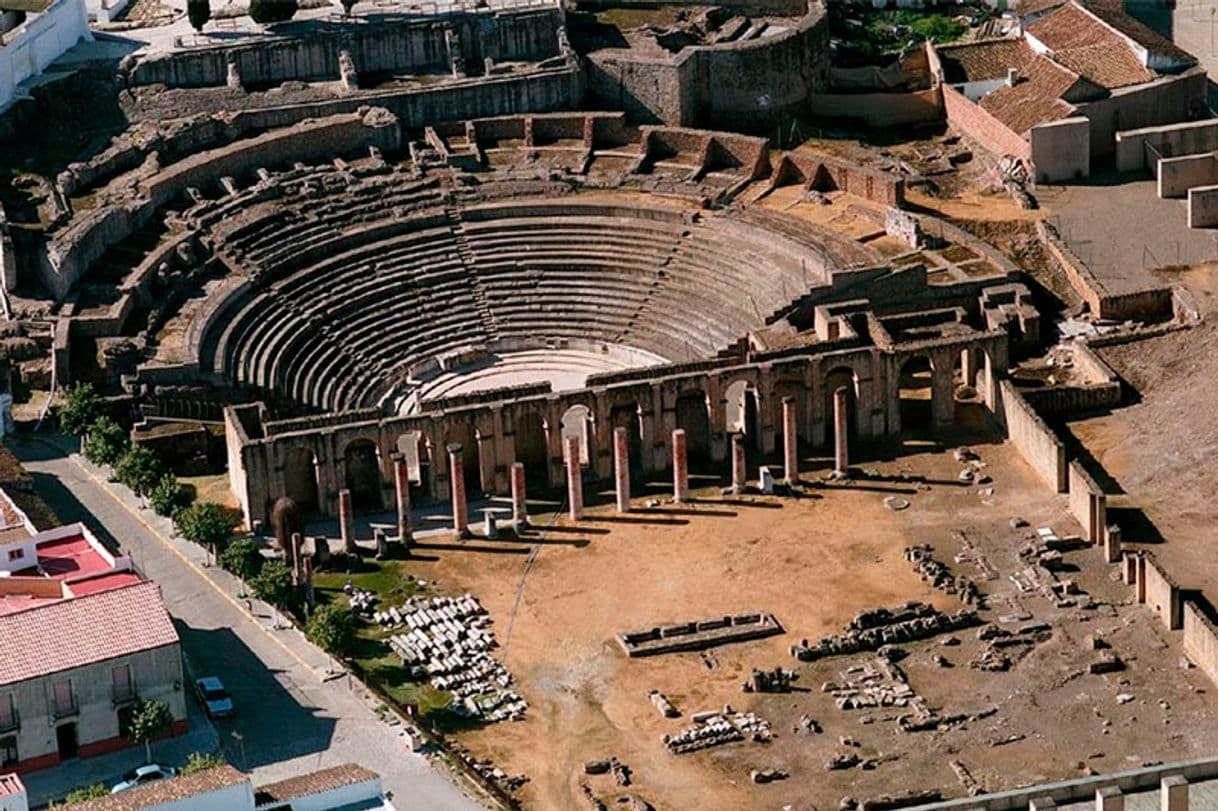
x,y
33,34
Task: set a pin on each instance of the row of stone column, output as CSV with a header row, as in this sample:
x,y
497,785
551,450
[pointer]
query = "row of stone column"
x,y
621,462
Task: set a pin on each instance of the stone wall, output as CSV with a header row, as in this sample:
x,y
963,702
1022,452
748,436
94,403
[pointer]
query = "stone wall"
x,y
747,7
1061,150
1088,504
1203,207
1168,141
1033,438
397,47
826,174
1178,175
1165,101
1162,593
1201,639
880,109
31,47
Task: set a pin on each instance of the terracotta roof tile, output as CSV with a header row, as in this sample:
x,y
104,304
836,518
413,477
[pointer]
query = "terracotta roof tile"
x,y
983,61
50,638
347,774
1105,65
166,791
1113,13
1035,99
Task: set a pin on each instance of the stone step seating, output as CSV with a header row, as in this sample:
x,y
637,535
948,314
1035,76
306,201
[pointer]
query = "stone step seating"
x,y
113,266
529,364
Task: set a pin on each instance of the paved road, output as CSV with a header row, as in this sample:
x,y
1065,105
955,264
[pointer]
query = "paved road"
x,y
290,720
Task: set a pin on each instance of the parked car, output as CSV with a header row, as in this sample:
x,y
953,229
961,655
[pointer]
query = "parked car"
x,y
216,700
144,774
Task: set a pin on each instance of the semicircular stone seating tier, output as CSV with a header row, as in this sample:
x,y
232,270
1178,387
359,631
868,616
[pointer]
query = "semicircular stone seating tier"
x,y
346,330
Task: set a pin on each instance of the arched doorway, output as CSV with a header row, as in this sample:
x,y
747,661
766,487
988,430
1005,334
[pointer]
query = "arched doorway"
x,y
628,417
464,433
742,413
916,386
693,414
841,377
362,463
300,478
577,422
531,449
413,446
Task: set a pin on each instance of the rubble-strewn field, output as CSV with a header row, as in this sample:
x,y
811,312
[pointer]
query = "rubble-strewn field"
x,y
1019,706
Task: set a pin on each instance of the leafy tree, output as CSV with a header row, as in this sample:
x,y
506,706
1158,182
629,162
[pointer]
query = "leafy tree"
x,y
199,12
139,469
200,762
81,407
168,496
147,720
272,11
204,523
273,584
331,628
80,795
106,442
938,28
242,559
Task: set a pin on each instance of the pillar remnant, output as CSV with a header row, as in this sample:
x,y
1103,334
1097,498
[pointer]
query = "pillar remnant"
x,y
401,482
346,527
1042,804
621,468
520,512
841,427
1140,582
680,467
790,441
456,477
1129,568
296,554
575,479
1109,798
490,526
1112,543
382,543
1173,793
739,471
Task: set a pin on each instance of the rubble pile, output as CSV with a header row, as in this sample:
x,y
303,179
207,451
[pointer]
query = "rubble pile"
x,y
361,601
868,686
449,642
871,630
714,729
938,575
777,680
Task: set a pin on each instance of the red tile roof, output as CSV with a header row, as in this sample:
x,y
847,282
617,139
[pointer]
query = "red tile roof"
x,y
1093,50
983,61
163,792
1035,99
347,774
1113,13
72,633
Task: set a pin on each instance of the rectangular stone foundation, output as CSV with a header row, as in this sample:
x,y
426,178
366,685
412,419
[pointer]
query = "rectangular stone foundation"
x,y
706,633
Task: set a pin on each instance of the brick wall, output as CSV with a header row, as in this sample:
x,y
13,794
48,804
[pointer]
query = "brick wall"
x,y
971,120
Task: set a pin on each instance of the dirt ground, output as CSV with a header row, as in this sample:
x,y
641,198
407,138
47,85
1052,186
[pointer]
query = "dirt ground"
x,y
814,562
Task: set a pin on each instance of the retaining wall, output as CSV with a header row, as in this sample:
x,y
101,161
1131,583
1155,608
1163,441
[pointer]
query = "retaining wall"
x,y
972,120
1163,594
1200,639
880,109
1203,207
1033,438
1153,302
1178,175
1088,504
1168,141
1061,150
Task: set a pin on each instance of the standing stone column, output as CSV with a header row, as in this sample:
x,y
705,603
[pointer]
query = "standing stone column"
x,y
575,479
456,476
1173,793
739,471
790,440
621,468
680,467
520,511
1109,798
401,482
346,528
841,428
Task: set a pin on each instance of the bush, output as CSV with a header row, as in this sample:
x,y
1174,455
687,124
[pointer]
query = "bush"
x,y
204,523
145,721
168,496
81,407
273,584
106,442
331,628
272,11
139,469
199,762
198,12
243,559
80,795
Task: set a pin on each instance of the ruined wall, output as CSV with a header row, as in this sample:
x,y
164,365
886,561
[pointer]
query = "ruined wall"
x,y
1203,207
400,47
1178,175
651,90
1169,141
747,7
827,174
971,120
880,109
1162,594
1033,438
1088,504
1164,101
1061,150
1200,639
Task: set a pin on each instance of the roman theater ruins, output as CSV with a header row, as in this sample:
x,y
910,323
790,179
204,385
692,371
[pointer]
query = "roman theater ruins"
x,y
675,439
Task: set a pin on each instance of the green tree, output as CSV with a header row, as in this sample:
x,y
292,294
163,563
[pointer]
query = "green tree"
x,y
273,584
80,795
200,762
106,442
242,559
198,12
272,11
146,720
331,628
168,495
206,524
139,469
81,407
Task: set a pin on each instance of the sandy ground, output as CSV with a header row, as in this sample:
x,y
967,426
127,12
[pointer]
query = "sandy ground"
x,y
814,563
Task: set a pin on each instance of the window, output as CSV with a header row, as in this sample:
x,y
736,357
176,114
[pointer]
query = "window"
x,y
16,554
8,713
124,687
65,702
8,751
